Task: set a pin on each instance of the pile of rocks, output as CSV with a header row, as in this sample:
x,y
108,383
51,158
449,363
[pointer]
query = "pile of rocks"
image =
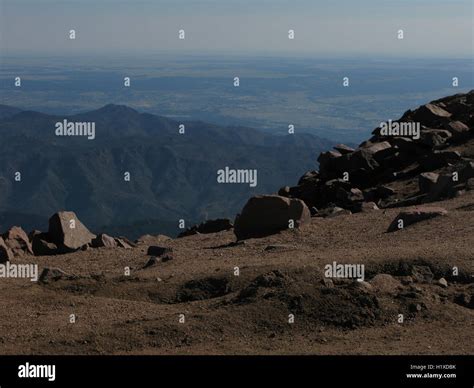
x,y
66,233
348,178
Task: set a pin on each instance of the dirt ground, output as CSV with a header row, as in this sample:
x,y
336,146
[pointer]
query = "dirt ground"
x,y
249,314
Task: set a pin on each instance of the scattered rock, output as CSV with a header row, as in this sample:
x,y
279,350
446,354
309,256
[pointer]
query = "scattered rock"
x,y
123,242
268,214
54,274
418,214
67,232
18,241
104,240
422,274
442,282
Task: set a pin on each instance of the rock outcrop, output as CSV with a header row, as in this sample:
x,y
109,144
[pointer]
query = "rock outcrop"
x,y
375,171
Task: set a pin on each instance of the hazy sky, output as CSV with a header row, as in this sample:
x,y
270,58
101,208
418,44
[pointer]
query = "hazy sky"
x,y
342,27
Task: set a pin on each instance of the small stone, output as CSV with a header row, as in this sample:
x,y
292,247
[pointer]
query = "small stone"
x,y
442,282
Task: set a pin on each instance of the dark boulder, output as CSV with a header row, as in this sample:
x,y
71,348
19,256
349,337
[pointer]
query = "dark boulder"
x,y
268,214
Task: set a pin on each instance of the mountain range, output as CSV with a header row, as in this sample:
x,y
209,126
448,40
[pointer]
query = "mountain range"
x,y
172,175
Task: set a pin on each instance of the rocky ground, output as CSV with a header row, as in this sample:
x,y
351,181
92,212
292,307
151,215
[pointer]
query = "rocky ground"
x,y
258,286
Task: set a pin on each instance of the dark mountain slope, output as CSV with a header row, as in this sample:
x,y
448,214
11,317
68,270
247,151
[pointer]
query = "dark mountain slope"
x,y
173,176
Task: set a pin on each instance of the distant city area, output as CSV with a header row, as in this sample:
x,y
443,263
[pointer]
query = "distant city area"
x,y
338,99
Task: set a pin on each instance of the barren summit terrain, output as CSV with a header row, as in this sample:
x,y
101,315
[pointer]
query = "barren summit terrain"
x,y
248,314
211,293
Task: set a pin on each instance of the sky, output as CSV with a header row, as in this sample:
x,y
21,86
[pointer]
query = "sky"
x,y
432,28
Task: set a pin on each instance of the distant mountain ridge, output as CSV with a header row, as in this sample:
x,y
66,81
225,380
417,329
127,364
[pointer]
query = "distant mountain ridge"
x,y
172,176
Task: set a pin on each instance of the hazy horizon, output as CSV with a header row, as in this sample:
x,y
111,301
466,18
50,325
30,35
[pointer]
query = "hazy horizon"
x,y
339,28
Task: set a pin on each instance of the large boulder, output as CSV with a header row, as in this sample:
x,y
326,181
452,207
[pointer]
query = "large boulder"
x,y
412,216
5,253
17,240
268,214
67,232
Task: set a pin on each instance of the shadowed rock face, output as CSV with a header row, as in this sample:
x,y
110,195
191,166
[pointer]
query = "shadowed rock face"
x,y
5,252
267,214
67,232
